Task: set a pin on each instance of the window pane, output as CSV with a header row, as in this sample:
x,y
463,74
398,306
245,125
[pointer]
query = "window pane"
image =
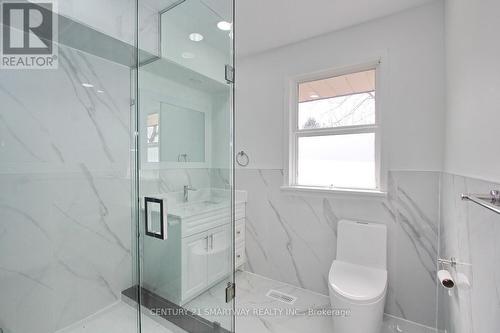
x,y
344,100
344,161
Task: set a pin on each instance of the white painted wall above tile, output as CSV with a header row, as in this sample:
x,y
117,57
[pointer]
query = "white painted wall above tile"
x,y
413,112
473,88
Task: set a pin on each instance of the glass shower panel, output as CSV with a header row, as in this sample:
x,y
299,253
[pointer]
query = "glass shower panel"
x,y
184,120
66,231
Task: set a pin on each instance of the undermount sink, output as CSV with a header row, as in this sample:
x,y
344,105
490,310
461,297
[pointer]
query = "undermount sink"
x,y
190,204
204,202
200,202
187,209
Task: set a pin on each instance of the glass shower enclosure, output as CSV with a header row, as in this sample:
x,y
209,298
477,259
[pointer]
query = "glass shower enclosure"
x,y
185,186
116,168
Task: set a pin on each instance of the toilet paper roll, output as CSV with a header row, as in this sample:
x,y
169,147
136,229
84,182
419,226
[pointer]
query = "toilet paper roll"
x,y
445,279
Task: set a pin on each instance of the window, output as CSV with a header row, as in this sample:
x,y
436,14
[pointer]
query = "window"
x,y
334,132
153,133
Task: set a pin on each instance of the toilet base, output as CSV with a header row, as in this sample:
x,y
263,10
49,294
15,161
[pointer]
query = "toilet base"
x,y
362,318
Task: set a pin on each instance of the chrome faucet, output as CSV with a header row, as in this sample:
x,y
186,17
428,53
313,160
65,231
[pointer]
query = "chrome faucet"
x,y
188,188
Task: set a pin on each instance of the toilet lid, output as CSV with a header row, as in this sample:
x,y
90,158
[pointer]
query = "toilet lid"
x,y
357,283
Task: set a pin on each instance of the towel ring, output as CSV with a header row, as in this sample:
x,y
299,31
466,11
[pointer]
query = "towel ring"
x,y
242,159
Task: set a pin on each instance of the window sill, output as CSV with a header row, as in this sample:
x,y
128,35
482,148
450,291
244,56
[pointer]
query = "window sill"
x,y
339,192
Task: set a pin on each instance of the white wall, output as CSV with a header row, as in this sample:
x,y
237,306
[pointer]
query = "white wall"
x,y
413,113
473,88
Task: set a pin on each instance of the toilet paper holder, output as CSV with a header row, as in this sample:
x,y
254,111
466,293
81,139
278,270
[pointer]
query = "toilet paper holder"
x,y
458,277
451,262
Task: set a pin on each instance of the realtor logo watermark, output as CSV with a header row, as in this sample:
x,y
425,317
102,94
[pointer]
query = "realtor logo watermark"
x,y
29,34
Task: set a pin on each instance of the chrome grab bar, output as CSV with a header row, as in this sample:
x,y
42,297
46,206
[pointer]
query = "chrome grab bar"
x,y
491,201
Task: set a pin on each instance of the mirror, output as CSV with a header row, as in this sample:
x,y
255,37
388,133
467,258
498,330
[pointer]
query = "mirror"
x,y
184,130
176,134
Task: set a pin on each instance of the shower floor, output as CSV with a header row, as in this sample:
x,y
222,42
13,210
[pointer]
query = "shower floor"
x,y
117,318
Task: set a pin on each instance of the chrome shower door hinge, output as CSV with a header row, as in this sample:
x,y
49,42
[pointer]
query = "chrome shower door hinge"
x,y
230,291
229,74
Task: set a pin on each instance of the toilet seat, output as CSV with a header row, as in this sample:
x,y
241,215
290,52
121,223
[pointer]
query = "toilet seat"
x,y
358,284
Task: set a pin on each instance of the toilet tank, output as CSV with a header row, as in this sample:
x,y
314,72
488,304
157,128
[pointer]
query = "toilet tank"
x,y
362,243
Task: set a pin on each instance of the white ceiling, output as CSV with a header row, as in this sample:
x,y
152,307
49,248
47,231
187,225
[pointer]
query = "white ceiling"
x,y
157,4
266,24
222,8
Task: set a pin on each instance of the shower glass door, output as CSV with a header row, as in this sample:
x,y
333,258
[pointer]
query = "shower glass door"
x,y
66,231
185,169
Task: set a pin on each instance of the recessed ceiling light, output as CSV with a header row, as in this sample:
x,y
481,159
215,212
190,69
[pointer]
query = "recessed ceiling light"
x,y
314,96
88,85
196,37
223,25
100,91
187,55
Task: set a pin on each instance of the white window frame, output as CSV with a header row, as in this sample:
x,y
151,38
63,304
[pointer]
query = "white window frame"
x,y
293,133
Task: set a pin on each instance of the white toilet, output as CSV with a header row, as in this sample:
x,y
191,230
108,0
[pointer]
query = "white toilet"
x,y
358,277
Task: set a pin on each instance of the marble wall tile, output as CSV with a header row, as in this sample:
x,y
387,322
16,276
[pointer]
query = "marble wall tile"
x,y
120,19
220,178
413,198
116,17
470,233
50,122
65,250
174,180
65,192
292,238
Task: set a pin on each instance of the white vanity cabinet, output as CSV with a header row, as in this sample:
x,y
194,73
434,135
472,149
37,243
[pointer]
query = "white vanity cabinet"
x,y
239,233
219,254
194,264
205,259
198,244
206,253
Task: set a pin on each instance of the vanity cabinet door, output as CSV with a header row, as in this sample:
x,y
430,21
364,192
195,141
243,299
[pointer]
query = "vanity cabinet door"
x,y
219,252
194,267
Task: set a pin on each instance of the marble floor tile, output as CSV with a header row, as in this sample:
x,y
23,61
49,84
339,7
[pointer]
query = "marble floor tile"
x,y
212,305
117,318
397,325
255,312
